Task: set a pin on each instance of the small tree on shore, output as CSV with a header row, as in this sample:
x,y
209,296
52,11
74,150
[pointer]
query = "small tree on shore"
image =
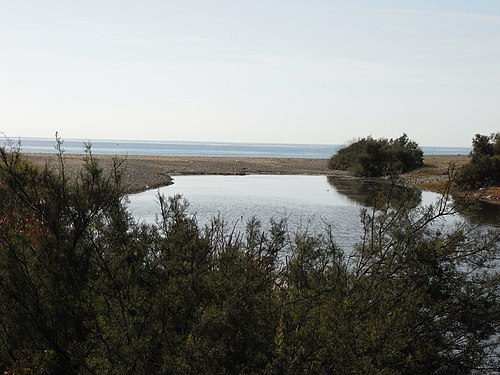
x,y
484,166
372,158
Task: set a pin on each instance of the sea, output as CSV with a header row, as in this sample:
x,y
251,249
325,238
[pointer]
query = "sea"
x,y
215,149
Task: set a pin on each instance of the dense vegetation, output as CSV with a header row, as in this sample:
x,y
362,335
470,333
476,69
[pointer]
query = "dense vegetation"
x,y
370,157
84,289
484,166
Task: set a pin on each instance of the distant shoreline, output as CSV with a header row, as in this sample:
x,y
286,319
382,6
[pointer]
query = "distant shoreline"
x,y
205,149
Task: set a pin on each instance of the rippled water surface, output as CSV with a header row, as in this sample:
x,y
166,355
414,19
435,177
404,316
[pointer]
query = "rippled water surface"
x,y
309,202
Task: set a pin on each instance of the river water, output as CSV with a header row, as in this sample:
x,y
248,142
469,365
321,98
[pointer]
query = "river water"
x,y
308,202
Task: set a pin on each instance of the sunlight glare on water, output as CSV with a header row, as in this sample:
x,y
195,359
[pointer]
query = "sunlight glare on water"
x,y
306,201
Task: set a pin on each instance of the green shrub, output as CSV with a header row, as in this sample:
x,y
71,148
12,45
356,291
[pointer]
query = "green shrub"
x,y
84,289
373,158
484,166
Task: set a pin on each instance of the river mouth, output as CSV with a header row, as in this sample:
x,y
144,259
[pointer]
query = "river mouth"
x,y
309,203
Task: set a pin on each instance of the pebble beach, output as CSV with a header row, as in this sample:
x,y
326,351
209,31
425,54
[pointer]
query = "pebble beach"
x,y
149,172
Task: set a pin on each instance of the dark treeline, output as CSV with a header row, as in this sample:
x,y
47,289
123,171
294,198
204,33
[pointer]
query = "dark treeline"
x,y
84,289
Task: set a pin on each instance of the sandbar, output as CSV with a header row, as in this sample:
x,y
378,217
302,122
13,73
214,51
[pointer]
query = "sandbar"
x,y
149,172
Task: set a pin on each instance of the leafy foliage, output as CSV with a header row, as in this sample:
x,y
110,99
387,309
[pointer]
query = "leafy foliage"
x,y
372,158
484,166
84,289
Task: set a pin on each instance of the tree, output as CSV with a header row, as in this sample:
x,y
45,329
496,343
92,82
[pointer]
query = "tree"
x,y
84,289
484,166
372,158
46,264
413,298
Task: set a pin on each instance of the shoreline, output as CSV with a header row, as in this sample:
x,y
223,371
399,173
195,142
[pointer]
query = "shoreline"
x,y
151,172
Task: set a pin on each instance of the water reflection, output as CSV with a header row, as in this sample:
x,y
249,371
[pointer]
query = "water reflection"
x,y
306,201
369,192
480,212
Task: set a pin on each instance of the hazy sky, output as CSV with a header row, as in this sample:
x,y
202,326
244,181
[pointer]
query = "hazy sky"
x,y
292,71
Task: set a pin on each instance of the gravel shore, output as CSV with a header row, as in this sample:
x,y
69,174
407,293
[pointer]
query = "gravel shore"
x,y
149,172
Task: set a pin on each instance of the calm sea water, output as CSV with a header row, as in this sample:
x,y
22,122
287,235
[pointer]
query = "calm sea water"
x,y
275,150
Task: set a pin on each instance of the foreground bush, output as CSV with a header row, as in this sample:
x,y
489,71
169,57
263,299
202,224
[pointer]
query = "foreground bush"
x,y
84,289
484,166
373,158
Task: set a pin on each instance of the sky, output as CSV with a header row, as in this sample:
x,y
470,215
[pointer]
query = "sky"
x,y
284,71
